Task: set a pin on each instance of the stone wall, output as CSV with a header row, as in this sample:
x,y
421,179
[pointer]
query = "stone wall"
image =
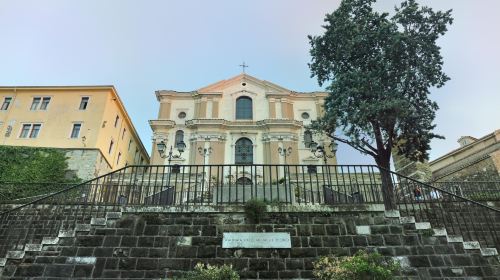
x,y
419,171
87,163
480,170
147,245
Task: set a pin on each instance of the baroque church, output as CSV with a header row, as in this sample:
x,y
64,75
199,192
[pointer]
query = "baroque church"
x,y
242,120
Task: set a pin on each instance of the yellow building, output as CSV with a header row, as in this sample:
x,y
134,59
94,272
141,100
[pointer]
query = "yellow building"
x,y
89,122
475,160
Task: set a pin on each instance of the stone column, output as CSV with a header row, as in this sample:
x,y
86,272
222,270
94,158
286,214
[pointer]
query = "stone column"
x,y
164,113
215,109
272,108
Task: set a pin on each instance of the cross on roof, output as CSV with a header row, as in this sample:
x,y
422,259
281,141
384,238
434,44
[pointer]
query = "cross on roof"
x,y
243,66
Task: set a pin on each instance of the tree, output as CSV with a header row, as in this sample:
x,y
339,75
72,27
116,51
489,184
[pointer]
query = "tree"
x,y
379,71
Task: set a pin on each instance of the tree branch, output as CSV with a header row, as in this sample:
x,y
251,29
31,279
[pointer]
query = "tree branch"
x,y
368,145
357,147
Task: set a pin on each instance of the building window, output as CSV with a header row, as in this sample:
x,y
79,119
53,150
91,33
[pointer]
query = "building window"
x,y
116,120
123,133
136,154
118,159
244,151
111,146
244,108
181,115
129,144
30,130
25,131
179,137
83,103
307,138
6,103
75,132
305,115
35,103
45,103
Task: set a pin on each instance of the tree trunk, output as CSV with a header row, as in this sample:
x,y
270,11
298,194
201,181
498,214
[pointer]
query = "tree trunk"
x,y
387,184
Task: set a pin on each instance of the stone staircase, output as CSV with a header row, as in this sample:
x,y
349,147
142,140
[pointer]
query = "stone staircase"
x,y
159,243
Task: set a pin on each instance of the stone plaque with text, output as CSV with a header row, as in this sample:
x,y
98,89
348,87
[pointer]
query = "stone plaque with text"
x,y
255,240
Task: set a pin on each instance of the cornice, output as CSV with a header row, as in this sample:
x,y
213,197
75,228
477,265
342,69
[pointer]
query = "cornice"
x,y
246,124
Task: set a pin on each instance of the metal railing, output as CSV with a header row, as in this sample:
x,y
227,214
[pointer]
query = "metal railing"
x,y
443,208
474,190
23,192
191,185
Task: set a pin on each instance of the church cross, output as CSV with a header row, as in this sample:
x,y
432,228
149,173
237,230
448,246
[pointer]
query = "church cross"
x,y
243,66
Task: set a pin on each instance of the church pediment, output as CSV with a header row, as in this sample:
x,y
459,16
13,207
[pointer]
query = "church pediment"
x,y
243,80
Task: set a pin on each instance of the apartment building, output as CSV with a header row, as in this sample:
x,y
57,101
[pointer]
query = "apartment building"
x,y
89,123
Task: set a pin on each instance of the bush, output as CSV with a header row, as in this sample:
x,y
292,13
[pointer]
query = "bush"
x,y
482,196
31,171
255,209
202,272
358,267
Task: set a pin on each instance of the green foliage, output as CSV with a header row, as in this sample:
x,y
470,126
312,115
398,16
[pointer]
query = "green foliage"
x,y
281,181
255,209
208,272
485,196
358,267
32,171
379,70
427,232
26,164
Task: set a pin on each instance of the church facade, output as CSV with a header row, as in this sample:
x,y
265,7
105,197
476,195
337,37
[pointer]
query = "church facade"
x,y
242,120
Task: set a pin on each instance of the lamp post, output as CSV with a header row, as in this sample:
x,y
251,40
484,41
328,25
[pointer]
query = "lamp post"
x,y
205,152
180,146
284,152
320,152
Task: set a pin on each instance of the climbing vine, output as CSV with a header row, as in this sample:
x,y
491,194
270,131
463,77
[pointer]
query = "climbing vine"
x,y
24,169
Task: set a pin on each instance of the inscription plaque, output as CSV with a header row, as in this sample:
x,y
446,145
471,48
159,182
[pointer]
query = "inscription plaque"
x,y
255,240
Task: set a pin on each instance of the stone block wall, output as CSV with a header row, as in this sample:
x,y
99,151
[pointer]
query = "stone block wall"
x,y
87,163
149,245
481,170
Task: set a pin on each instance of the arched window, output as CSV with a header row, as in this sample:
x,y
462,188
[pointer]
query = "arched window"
x,y
179,137
307,138
244,181
244,108
244,151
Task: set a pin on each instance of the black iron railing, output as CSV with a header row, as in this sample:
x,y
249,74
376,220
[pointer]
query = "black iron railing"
x,y
442,208
186,185
213,185
24,192
474,190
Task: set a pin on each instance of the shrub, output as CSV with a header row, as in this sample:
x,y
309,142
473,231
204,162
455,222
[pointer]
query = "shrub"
x,y
209,272
358,267
481,196
255,209
427,232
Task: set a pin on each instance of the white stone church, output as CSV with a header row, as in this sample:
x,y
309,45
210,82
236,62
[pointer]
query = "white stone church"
x,y
242,120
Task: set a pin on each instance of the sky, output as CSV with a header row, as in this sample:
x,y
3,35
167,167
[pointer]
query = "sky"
x,y
143,46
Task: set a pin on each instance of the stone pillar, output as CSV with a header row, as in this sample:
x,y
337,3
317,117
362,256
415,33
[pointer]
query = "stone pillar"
x,y
202,111
272,108
217,156
279,110
164,113
215,109
287,109
319,108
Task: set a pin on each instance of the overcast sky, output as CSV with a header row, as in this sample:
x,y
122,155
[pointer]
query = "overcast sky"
x,y
143,46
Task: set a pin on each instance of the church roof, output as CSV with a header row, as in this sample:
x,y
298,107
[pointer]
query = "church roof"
x,y
219,86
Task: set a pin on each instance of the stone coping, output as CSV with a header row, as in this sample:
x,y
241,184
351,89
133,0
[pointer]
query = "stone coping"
x,y
240,208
